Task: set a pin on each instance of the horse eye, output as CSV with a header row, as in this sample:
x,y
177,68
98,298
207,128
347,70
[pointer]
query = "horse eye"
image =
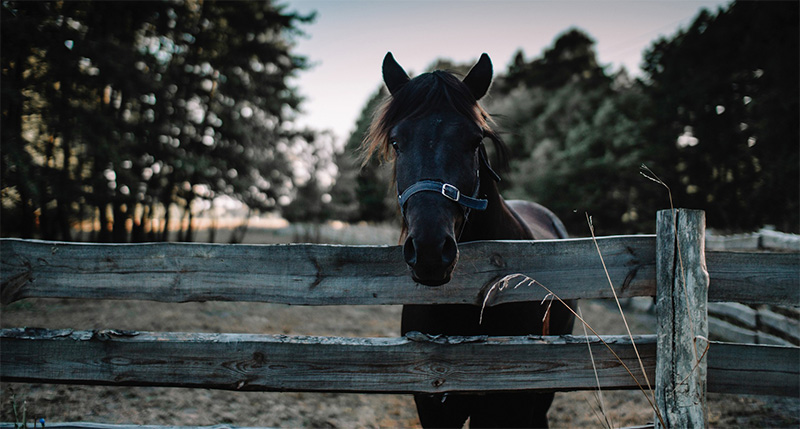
x,y
394,145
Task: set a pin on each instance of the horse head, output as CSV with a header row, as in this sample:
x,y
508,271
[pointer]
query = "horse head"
x,y
433,128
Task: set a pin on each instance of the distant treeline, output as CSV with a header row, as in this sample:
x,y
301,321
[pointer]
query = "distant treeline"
x,y
125,114
715,115
119,113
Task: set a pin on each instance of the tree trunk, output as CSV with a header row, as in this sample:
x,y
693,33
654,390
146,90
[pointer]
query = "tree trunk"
x,y
104,233
120,231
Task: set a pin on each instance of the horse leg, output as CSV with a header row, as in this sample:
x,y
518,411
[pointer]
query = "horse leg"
x,y
511,410
442,410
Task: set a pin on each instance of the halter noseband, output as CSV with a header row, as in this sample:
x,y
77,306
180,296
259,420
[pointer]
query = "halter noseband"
x,y
450,191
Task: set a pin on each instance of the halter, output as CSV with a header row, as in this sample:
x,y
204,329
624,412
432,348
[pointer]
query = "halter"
x,y
451,192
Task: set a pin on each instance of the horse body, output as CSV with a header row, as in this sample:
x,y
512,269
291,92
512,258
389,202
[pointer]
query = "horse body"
x,y
511,220
434,129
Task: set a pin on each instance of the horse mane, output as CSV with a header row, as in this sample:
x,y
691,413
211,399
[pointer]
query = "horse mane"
x,y
421,96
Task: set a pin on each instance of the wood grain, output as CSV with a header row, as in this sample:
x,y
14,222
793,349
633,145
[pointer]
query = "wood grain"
x,y
754,278
305,274
367,275
415,363
754,369
284,363
682,318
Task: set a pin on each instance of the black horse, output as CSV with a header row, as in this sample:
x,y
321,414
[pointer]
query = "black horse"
x,y
434,130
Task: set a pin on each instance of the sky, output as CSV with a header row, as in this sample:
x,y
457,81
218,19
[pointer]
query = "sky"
x,y
349,38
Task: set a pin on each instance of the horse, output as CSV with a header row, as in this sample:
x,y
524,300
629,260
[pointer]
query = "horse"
x,y
432,129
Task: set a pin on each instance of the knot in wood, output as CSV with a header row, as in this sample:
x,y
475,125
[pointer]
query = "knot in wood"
x,y
259,359
497,260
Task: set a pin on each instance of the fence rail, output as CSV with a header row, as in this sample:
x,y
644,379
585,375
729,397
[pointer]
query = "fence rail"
x,y
317,274
416,363
757,324
672,265
763,239
761,324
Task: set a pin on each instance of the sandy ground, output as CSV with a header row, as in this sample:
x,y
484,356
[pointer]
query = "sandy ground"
x,y
186,407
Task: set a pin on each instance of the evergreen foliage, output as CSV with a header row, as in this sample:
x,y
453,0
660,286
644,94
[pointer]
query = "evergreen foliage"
x,y
575,135
118,111
124,114
715,115
731,80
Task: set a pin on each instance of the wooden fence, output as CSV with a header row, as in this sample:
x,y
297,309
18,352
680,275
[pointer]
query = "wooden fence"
x,y
763,239
671,265
754,323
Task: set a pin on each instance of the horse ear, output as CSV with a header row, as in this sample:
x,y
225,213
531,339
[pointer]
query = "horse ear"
x,y
393,75
479,77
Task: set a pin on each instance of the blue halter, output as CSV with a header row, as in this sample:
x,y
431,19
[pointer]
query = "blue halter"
x,y
450,191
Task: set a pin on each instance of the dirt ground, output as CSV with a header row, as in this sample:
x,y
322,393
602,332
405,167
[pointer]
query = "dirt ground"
x,y
190,407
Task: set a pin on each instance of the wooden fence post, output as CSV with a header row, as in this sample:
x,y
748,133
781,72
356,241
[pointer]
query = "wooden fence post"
x,y
681,308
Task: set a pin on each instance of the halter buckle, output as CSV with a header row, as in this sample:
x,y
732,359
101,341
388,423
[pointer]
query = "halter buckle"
x,y
451,192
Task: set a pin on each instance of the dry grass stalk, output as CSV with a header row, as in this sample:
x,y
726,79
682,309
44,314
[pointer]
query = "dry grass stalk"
x,y
504,283
697,361
619,306
599,394
603,419
698,357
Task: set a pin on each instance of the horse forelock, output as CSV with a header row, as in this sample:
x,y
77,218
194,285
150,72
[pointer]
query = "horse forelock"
x,y
419,97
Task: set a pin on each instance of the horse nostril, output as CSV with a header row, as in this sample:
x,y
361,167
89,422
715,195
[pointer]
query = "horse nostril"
x,y
449,251
410,252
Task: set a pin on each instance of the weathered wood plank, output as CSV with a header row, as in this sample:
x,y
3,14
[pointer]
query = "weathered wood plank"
x,y
779,240
739,314
720,329
318,274
749,241
754,369
682,318
263,362
327,274
773,340
417,363
225,361
787,327
754,278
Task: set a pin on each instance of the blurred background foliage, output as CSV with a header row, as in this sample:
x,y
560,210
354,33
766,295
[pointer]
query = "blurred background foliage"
x,y
122,112
122,115
715,115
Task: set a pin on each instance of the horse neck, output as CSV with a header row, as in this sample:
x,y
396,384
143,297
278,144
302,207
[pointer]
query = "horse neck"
x,y
496,222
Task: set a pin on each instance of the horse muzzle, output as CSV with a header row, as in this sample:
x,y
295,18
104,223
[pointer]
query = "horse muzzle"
x,y
430,249
431,260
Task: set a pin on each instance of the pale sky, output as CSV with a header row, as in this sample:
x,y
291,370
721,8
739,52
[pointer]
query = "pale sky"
x,y
349,38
